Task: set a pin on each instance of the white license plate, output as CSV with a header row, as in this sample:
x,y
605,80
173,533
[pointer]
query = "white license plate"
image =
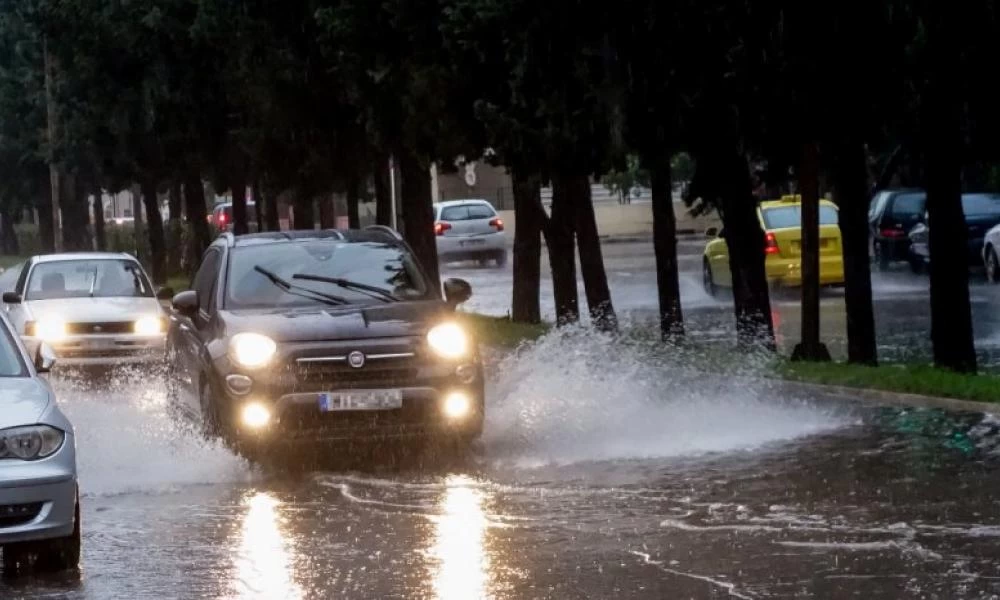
x,y
360,400
471,242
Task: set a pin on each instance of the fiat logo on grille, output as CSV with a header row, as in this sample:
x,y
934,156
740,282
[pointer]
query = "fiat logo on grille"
x,y
356,359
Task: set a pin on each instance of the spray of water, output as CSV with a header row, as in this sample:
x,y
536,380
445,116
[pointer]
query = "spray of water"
x,y
578,396
129,441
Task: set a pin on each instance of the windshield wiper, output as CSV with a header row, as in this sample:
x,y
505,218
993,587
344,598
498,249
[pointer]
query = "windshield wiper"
x,y
368,290
298,290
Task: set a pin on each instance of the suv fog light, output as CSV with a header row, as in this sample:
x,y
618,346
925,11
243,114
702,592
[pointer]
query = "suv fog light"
x,y
255,415
466,373
239,384
456,405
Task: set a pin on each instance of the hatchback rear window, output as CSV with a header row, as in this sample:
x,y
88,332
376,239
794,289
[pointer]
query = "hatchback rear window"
x,y
909,205
791,216
467,212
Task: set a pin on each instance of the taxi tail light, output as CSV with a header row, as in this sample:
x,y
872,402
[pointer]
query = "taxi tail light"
x,y
440,227
770,244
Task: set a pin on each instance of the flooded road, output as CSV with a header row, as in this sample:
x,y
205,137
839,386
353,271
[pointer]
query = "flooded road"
x,y
636,477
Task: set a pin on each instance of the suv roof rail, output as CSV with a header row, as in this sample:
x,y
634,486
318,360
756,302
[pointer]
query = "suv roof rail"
x,y
385,229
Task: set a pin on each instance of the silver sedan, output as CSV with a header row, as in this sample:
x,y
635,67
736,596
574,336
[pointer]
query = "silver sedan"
x,y
39,499
91,307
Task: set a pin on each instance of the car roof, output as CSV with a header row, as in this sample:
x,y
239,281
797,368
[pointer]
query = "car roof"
x,y
448,203
791,200
64,256
383,235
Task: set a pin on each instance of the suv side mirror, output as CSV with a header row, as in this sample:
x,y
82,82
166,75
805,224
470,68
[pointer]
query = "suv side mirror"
x,y
712,232
45,358
457,291
11,298
164,293
186,303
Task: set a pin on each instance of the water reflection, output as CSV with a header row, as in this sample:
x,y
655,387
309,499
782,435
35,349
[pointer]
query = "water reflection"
x,y
459,544
263,562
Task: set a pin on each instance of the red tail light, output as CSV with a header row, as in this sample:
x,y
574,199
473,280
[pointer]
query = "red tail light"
x,y
892,233
440,227
222,219
497,223
770,244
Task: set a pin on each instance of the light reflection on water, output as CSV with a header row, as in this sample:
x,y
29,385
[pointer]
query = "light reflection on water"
x,y
263,557
459,543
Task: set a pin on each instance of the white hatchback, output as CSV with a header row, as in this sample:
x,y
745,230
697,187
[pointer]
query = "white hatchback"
x,y
469,230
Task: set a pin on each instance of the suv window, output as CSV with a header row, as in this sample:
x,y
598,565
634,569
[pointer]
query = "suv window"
x,y
908,205
204,280
389,271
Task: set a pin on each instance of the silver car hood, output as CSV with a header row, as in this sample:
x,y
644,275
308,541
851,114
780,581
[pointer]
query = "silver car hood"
x,y
23,401
94,310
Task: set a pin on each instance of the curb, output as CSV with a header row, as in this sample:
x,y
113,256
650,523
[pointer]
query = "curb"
x,y
882,397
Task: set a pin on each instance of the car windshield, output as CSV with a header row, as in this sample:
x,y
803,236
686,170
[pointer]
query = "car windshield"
x,y
981,204
791,216
99,278
369,272
11,364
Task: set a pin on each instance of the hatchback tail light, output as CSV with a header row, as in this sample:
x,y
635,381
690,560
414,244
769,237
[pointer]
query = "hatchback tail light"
x,y
440,227
497,224
770,244
892,233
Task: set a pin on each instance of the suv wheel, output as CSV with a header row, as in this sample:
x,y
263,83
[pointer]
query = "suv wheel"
x,y
992,266
211,424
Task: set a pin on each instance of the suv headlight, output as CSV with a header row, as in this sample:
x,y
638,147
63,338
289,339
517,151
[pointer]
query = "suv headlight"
x,y
252,350
30,442
148,325
49,329
448,340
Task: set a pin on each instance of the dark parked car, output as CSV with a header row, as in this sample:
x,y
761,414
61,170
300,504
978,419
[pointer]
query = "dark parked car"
x,y
982,213
304,337
891,216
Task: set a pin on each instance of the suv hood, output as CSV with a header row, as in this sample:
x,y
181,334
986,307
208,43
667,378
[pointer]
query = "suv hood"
x,y
320,323
23,400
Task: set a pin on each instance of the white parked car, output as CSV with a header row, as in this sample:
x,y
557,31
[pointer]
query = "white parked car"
x,y
469,230
39,499
91,307
991,254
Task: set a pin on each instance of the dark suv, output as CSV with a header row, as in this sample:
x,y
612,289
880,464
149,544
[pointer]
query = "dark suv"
x,y
304,337
891,216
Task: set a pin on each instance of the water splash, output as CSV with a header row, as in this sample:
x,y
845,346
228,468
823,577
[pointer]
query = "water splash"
x,y
577,396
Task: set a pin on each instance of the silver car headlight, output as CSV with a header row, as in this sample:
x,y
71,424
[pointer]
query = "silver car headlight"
x,y
252,350
448,340
148,325
30,442
50,329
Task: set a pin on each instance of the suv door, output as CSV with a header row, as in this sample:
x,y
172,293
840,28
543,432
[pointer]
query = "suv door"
x,y
190,332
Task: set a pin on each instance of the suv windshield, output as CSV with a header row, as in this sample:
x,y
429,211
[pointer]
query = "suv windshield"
x,y
384,269
103,278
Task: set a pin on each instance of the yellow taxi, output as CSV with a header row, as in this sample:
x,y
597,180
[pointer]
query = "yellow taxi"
x,y
782,224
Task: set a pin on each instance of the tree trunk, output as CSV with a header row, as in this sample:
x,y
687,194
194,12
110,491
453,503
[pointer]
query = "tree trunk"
x,y
73,205
595,278
849,187
98,209
175,201
270,198
951,311
562,262
528,216
327,215
7,233
46,230
305,211
353,199
157,247
238,189
745,239
197,216
137,229
418,215
810,347
383,195
665,250
258,205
